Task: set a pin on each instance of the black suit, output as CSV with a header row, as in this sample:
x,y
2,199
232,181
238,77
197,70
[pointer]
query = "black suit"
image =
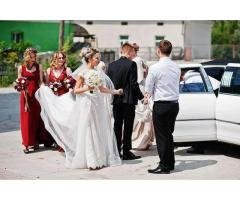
x,y
123,73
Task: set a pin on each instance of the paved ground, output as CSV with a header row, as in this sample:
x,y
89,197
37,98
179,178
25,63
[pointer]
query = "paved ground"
x,y
221,161
9,110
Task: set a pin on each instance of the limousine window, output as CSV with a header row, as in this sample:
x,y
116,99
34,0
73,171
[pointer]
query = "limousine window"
x,y
231,81
191,81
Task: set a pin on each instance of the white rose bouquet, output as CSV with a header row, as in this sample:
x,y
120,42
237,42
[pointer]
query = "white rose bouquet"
x,y
93,79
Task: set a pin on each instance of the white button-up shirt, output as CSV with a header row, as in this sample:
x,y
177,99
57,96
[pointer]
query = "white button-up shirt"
x,y
162,81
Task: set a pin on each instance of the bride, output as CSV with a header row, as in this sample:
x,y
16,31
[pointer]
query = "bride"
x,y
81,123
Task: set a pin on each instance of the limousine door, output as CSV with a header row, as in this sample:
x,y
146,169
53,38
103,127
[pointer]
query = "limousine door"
x,y
228,106
197,101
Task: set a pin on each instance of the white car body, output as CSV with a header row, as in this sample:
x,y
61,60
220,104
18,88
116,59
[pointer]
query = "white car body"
x,y
196,118
202,116
228,106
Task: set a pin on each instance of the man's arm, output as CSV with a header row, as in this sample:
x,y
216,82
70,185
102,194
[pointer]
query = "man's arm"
x,y
149,86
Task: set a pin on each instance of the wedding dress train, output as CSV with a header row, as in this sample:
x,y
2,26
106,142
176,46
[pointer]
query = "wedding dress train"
x,y
81,125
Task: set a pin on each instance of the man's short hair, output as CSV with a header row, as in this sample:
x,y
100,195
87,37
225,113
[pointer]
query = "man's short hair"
x,y
127,47
165,47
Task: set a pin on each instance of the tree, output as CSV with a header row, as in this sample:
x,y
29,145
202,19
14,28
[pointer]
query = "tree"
x,y
226,39
61,35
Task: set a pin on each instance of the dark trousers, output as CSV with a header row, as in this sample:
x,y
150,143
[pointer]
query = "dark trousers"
x,y
123,115
164,117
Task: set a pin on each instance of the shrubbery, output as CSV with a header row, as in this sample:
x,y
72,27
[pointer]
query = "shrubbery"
x,y
10,57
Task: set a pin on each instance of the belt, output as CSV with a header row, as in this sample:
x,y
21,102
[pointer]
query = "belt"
x,y
176,101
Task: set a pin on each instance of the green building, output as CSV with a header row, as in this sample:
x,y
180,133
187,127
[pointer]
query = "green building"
x,y
43,35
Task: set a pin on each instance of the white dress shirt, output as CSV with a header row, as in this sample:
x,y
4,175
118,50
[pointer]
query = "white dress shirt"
x,y
162,81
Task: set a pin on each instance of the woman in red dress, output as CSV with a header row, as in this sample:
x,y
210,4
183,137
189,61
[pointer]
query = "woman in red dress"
x,y
30,121
57,73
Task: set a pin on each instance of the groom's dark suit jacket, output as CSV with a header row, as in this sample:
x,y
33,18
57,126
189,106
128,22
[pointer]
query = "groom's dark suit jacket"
x,y
123,73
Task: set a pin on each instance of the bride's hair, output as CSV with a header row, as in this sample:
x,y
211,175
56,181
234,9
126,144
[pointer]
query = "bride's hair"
x,y
88,52
54,60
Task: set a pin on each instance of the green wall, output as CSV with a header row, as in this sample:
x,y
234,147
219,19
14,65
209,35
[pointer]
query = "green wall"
x,y
42,34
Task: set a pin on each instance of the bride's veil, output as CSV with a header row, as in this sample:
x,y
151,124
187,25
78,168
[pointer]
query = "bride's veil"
x,y
82,67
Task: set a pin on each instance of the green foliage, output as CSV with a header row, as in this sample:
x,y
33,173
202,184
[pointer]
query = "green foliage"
x,y
10,56
68,44
222,51
73,61
225,39
223,32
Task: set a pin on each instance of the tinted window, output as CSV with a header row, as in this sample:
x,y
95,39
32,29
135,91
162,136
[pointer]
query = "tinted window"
x,y
215,72
231,81
191,81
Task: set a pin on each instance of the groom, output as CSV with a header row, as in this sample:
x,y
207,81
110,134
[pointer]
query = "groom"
x,y
123,73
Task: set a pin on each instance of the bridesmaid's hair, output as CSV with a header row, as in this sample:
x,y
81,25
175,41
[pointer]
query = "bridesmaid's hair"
x,y
88,53
54,59
26,55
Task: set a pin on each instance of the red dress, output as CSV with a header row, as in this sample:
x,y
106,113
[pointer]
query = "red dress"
x,y
62,89
30,118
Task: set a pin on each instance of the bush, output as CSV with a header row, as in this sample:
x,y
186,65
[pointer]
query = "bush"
x,y
221,51
10,56
73,61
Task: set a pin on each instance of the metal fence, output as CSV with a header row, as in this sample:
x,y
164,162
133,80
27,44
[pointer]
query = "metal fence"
x,y
225,51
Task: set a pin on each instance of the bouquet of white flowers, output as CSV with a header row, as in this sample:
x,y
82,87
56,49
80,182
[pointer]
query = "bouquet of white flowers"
x,y
93,79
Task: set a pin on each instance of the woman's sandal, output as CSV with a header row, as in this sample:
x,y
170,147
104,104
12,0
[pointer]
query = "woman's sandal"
x,y
26,150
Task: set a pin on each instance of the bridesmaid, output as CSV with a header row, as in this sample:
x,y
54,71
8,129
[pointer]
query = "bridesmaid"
x,y
58,72
30,121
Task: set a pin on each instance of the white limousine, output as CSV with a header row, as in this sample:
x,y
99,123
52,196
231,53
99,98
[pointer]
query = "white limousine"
x,y
202,115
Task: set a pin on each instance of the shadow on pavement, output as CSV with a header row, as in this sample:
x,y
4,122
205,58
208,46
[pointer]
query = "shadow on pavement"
x,y
183,165
215,148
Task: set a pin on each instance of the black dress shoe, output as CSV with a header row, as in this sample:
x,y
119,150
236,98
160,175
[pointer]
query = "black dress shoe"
x,y
154,170
130,156
158,170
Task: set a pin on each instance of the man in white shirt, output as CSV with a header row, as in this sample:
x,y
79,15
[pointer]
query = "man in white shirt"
x,y
162,83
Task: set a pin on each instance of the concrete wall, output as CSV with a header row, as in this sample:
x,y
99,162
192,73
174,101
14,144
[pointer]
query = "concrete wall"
x,y
43,35
197,39
141,32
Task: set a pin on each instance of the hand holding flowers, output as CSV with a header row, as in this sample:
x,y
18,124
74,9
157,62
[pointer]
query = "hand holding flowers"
x,y
93,80
20,84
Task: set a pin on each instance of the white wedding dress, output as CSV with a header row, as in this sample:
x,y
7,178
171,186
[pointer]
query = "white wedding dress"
x,y
81,125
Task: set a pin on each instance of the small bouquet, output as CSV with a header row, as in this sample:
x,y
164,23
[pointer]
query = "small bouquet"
x,y
20,84
93,79
54,86
69,82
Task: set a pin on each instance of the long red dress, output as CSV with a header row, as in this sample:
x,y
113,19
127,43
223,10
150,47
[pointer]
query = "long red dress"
x,y
52,78
30,119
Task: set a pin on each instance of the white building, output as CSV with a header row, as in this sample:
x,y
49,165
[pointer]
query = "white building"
x,y
190,37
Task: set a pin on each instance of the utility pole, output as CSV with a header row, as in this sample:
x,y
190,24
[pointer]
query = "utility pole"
x,y
61,35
